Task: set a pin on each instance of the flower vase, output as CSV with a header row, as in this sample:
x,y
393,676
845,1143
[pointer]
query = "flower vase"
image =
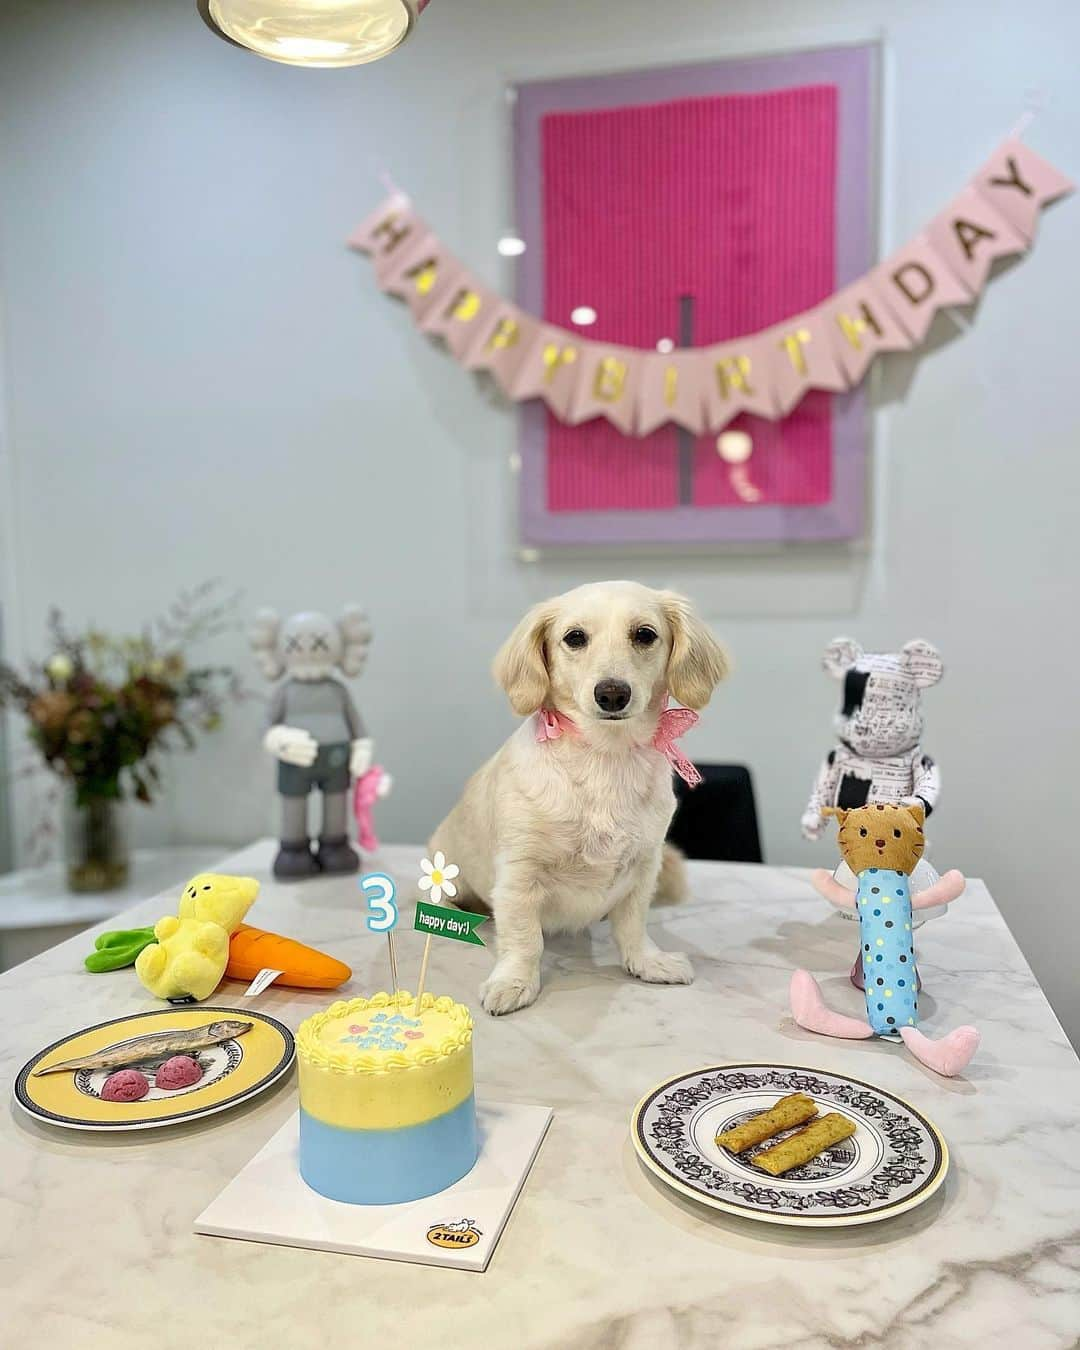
x,y
95,844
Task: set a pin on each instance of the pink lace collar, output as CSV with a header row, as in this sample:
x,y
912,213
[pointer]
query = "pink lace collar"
x,y
673,723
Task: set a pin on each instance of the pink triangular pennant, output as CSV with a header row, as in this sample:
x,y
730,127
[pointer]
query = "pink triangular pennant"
x,y
805,360
671,389
503,342
915,283
551,369
860,325
387,234
422,273
1018,183
608,385
969,234
364,238
739,377
461,313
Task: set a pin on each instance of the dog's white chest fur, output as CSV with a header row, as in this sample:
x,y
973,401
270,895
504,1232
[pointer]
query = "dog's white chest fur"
x,y
604,815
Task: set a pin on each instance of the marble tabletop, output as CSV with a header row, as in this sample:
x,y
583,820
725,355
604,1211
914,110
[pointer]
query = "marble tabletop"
x,y
96,1247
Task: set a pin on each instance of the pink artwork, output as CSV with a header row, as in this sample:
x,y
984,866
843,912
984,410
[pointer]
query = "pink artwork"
x,y
717,210
697,204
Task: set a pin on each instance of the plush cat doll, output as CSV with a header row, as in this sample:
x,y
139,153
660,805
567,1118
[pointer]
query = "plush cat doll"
x,y
882,844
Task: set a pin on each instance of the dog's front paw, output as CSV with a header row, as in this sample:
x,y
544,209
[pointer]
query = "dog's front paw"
x,y
659,967
506,993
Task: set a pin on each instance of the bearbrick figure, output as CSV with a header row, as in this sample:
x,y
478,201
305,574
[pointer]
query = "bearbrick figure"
x,y
877,757
315,732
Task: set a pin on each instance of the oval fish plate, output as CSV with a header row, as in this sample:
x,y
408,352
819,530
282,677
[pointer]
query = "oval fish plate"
x,y
234,1070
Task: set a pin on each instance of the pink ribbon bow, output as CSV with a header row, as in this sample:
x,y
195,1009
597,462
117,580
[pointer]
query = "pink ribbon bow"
x,y
673,723
550,725
365,794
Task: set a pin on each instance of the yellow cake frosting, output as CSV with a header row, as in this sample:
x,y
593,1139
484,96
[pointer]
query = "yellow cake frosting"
x,y
370,1063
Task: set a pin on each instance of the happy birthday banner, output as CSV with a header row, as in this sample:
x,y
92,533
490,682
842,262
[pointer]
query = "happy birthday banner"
x,y
702,388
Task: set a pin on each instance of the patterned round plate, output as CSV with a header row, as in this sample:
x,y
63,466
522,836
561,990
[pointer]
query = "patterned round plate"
x,y
241,1053
894,1161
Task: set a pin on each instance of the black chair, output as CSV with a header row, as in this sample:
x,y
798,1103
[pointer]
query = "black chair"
x,y
717,820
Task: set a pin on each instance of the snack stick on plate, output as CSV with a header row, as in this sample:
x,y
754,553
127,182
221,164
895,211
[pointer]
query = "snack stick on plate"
x,y
800,1148
795,1109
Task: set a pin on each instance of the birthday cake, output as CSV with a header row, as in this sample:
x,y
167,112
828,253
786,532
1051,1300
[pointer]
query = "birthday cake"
x,y
386,1098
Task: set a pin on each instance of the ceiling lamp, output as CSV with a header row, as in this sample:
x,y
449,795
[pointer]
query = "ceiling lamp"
x,y
323,33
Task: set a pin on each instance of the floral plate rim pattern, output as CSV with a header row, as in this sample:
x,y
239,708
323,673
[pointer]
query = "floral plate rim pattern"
x,y
915,1155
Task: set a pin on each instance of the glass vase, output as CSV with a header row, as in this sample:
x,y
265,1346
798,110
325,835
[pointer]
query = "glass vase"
x,y
96,852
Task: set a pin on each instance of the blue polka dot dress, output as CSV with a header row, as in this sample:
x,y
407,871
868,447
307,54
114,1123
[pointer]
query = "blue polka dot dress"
x,y
888,953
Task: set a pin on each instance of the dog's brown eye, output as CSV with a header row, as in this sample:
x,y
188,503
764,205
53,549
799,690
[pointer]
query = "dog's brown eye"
x,y
576,638
644,636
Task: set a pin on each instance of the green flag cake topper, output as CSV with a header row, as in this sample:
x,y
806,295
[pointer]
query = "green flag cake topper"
x,y
438,921
437,879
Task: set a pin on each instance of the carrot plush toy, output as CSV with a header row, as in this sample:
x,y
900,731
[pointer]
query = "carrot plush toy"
x,y
183,957
882,844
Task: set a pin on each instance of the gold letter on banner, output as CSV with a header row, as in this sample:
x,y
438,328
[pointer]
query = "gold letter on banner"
x,y
610,379
968,234
394,232
556,356
854,328
920,271
793,344
505,334
671,385
733,372
1014,180
424,275
464,306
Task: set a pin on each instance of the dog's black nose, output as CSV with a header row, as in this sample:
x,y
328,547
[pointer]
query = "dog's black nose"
x,y
612,696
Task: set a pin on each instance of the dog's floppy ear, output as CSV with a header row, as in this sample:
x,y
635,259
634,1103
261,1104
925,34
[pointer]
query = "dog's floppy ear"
x,y
521,665
697,663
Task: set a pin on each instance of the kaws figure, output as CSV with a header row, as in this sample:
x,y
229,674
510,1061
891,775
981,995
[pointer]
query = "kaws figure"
x,y
877,757
882,845
315,732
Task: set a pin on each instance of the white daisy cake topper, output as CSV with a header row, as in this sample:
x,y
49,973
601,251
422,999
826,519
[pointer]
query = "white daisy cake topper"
x,y
435,919
438,877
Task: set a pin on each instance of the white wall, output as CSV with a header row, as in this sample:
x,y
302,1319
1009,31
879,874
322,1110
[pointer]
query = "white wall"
x,y
202,381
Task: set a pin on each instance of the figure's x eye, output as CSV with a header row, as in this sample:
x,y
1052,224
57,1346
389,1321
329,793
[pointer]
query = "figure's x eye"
x,y
645,636
576,638
897,834
319,644
862,833
292,644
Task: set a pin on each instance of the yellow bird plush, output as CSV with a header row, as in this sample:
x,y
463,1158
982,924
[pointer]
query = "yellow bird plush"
x,y
216,898
188,959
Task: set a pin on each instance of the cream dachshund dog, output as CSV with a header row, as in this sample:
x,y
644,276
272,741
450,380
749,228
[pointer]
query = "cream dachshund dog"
x,y
565,824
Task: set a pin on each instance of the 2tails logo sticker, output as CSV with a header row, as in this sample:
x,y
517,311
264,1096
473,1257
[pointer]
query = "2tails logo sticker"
x,y
455,1235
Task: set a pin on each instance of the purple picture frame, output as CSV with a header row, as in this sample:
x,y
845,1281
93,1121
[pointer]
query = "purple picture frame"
x,y
853,69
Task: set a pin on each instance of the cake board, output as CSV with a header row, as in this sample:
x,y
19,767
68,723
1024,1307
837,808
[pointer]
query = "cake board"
x,y
268,1201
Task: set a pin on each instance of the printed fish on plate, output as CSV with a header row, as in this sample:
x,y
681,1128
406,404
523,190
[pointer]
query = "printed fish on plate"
x,y
155,1068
